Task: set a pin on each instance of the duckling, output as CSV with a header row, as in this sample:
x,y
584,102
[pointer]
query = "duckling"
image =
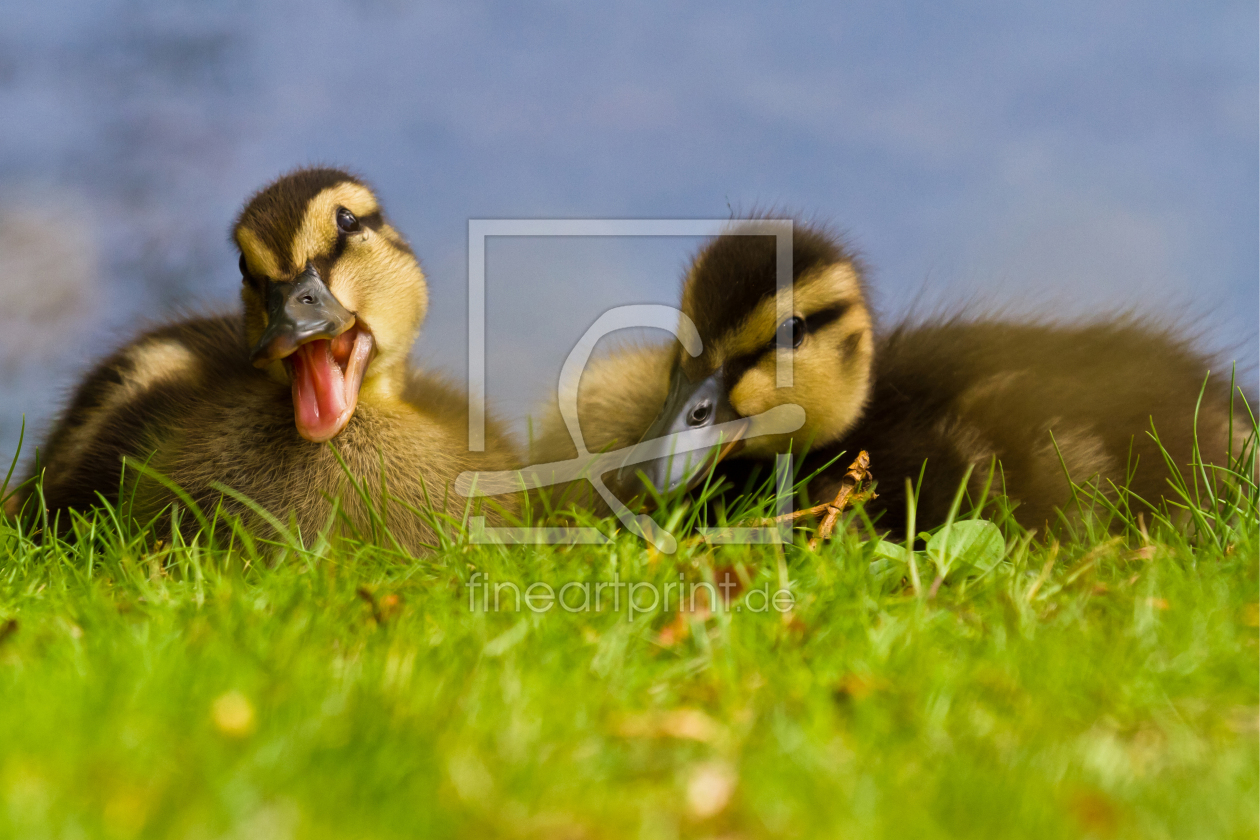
x,y
267,401
935,401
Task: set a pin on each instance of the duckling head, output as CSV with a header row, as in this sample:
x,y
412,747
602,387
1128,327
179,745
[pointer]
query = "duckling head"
x,y
731,294
333,295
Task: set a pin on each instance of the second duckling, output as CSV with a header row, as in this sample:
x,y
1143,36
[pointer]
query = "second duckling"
x,y
931,400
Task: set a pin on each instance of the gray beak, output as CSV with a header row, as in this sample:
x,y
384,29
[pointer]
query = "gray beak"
x,y
689,407
298,312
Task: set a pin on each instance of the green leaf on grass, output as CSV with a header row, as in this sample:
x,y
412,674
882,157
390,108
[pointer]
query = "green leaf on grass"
x,y
973,542
888,562
891,551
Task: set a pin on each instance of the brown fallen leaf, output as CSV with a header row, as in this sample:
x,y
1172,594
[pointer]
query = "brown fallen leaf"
x,y
794,624
1094,812
391,605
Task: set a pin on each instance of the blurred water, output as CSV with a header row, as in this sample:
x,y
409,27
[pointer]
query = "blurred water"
x,y
1072,158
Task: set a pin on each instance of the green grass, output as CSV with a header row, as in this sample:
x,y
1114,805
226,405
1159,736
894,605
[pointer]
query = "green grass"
x,y
1101,686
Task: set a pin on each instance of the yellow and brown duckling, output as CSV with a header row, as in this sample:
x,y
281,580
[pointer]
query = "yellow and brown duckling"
x,y
940,396
333,301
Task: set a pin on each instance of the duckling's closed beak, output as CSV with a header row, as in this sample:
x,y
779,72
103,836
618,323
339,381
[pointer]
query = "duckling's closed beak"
x,y
324,350
690,407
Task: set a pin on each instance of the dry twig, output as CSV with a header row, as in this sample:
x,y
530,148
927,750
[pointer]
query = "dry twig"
x,y
858,470
853,498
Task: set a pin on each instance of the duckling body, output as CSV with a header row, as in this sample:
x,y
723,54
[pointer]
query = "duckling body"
x,y
1040,401
218,401
937,398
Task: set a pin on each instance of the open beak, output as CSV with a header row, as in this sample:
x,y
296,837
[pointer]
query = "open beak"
x,y
325,351
690,407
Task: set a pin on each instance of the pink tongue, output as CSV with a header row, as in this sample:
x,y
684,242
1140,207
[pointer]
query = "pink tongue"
x,y
319,391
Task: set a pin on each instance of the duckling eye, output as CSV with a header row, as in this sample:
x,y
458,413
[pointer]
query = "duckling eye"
x,y
346,222
793,329
700,413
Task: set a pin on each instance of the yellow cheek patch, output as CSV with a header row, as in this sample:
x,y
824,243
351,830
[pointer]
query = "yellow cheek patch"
x,y
318,231
755,391
385,288
259,259
373,273
830,384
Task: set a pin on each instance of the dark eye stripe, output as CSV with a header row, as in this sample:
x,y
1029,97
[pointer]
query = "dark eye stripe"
x,y
826,316
340,245
811,323
737,366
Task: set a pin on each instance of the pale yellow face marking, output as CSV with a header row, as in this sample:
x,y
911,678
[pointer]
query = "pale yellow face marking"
x,y
830,378
318,232
258,257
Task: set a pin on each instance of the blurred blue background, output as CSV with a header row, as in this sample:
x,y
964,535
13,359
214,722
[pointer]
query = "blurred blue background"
x,y
1069,158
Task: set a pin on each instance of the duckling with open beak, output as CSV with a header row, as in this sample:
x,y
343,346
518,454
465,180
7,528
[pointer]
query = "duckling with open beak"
x,y
298,405
324,348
